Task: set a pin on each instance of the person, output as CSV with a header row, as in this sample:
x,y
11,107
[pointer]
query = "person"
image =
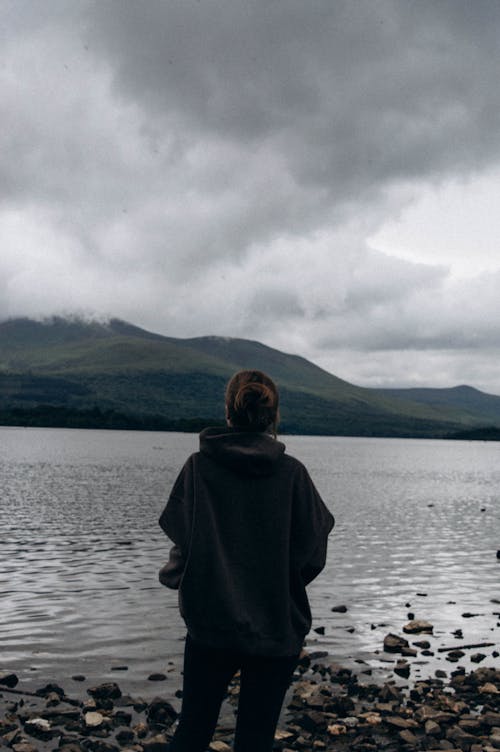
x,y
250,533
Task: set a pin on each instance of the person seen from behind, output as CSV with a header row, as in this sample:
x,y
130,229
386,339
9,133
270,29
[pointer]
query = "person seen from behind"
x,y
250,533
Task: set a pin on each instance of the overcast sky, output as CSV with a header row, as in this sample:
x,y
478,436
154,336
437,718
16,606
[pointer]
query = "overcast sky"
x,y
319,175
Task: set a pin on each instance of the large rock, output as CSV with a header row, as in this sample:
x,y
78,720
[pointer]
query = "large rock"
x,y
108,691
402,668
394,643
161,711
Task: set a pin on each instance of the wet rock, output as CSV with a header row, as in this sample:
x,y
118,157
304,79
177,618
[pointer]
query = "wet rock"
x,y
394,643
428,713
454,655
50,689
337,729
460,738
494,739
8,679
351,721
161,711
339,609
125,736
402,668
312,720
94,719
432,728
104,703
24,747
490,718
282,735
488,689
60,716
97,745
107,691
371,718
141,729
418,626
408,737
390,692
478,657
121,718
38,727
408,652
10,738
397,721
470,724
423,644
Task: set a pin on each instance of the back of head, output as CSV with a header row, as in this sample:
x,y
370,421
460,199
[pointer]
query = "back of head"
x,y
252,401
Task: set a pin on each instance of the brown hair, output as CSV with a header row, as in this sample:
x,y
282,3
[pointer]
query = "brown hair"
x,y
252,401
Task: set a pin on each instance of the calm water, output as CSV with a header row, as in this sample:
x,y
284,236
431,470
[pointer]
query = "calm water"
x,y
417,523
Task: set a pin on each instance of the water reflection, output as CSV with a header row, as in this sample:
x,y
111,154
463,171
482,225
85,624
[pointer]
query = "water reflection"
x,y
80,546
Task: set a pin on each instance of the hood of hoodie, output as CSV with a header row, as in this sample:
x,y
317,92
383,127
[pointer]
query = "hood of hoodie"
x,y
248,452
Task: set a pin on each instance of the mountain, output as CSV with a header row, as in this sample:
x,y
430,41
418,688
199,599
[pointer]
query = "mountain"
x,y
74,372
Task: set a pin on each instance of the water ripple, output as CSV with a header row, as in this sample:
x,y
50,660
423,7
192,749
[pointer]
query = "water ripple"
x,y
80,545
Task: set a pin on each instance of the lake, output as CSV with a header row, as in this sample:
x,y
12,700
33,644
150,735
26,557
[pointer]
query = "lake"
x,y
418,527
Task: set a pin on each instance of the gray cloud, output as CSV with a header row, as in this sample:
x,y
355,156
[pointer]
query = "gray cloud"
x,y
216,167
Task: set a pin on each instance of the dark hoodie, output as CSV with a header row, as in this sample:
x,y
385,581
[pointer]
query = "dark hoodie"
x,y
250,532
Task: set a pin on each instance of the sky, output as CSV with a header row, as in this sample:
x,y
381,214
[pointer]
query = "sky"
x,y
320,176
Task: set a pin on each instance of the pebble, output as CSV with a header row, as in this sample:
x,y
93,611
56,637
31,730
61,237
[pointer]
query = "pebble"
x,y
94,719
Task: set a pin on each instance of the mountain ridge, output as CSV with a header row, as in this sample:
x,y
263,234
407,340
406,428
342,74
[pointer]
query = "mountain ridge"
x,y
116,366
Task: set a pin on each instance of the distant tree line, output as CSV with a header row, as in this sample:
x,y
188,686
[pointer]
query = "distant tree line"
x,y
53,416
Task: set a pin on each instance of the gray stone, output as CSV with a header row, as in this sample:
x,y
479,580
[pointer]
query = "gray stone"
x,y
394,643
417,626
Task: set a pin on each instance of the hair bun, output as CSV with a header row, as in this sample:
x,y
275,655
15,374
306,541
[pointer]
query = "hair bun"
x,y
252,401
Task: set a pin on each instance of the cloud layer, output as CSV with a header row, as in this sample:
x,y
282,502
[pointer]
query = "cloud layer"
x,y
223,167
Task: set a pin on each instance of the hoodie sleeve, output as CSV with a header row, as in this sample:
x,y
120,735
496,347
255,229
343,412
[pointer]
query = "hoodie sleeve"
x,y
312,522
176,523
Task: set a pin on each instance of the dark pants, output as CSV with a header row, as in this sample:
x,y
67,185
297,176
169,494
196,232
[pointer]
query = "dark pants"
x,y
207,673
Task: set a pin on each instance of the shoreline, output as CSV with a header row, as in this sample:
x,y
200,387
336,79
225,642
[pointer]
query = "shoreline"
x,y
328,706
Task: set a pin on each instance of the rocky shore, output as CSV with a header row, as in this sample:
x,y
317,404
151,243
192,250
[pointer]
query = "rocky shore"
x,y
329,707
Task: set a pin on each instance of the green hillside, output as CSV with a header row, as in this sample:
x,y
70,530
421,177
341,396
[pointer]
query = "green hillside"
x,y
78,371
